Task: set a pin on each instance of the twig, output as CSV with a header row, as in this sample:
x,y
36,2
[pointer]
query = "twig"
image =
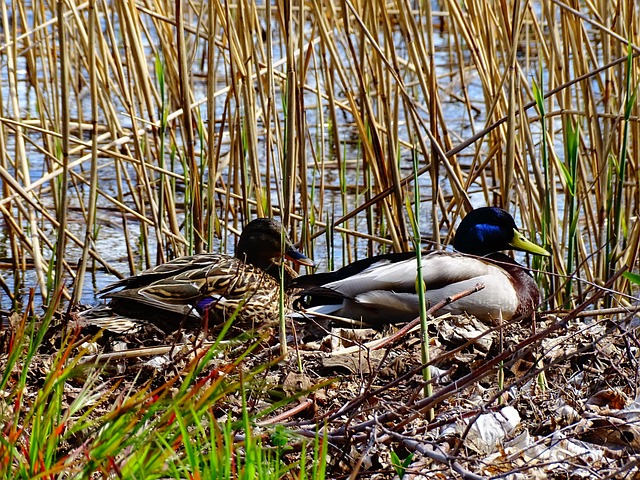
x,y
138,352
416,321
289,413
433,453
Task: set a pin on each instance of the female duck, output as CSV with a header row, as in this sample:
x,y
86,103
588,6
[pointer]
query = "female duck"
x,y
382,289
207,285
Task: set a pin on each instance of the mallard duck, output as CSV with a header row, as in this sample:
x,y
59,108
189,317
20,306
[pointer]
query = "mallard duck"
x,y
211,284
382,289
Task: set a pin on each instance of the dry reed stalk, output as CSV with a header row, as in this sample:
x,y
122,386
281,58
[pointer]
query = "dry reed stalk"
x,y
19,162
62,181
90,218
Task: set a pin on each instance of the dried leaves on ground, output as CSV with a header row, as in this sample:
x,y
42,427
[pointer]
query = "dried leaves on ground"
x,y
554,398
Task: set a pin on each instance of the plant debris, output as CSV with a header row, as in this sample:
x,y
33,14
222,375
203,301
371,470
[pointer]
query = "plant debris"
x,y
552,399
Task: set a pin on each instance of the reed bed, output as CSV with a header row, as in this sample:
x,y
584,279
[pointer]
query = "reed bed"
x,y
132,132
161,128
180,122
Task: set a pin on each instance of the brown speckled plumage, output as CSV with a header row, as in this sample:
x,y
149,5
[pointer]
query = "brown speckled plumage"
x,y
211,287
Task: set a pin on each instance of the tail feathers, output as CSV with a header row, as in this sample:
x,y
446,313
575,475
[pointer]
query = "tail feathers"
x,y
317,296
317,310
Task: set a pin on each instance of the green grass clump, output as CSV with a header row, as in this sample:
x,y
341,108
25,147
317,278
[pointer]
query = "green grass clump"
x,y
74,420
